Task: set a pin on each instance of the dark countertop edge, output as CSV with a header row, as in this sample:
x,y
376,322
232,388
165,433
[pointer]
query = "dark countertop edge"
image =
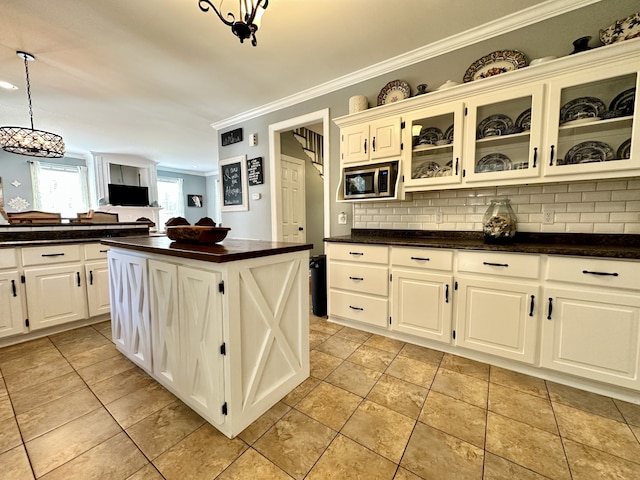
x,y
186,250
624,246
59,241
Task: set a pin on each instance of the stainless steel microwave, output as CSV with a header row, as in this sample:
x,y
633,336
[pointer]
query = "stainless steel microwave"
x,y
370,181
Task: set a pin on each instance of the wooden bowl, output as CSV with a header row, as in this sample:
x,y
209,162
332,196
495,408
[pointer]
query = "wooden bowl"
x,y
197,233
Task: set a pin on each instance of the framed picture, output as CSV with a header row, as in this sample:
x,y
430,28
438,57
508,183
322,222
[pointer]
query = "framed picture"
x,y
194,200
234,189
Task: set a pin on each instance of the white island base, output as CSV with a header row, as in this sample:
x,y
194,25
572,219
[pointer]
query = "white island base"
x,y
229,338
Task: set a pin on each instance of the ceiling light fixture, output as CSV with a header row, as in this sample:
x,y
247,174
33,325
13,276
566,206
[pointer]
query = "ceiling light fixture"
x,y
249,14
28,141
7,85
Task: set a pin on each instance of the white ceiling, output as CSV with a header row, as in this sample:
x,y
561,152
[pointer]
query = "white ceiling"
x,y
148,78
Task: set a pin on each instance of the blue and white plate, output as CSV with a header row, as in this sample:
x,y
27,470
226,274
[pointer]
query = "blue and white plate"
x,y
494,125
582,108
588,152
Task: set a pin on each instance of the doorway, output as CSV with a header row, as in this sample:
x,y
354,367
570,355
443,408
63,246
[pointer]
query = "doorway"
x,y
275,130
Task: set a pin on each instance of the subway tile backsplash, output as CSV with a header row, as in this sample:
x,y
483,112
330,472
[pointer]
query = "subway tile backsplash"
x,y
607,206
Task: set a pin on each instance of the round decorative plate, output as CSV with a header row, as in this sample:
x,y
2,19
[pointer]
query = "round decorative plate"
x,y
624,150
624,102
524,120
494,125
448,133
429,136
444,172
583,107
588,152
494,162
394,91
620,30
495,63
426,169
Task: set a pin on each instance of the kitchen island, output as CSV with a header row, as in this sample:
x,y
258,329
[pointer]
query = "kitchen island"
x,y
224,327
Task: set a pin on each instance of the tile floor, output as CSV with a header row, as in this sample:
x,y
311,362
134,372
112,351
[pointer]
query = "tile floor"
x,y
72,407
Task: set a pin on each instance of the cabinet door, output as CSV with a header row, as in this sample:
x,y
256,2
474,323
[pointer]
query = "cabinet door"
x,y
55,295
591,123
11,313
592,334
421,304
165,324
130,322
436,151
386,138
498,317
201,327
503,138
354,143
97,280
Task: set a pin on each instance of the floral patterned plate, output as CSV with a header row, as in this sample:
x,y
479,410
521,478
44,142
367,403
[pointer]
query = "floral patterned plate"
x,y
394,91
495,63
624,29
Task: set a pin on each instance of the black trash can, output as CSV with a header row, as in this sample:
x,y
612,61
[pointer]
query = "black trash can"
x,y
318,267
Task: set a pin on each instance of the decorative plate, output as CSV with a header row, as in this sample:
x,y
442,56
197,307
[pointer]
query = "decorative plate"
x,y
583,107
495,63
624,151
444,172
494,125
429,136
587,152
494,162
448,133
394,91
524,120
620,30
425,170
624,102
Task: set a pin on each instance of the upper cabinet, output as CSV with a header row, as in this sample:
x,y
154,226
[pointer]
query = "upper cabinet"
x,y
574,118
371,140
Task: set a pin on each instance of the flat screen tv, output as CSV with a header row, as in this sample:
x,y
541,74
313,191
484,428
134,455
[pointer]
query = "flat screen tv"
x,y
128,195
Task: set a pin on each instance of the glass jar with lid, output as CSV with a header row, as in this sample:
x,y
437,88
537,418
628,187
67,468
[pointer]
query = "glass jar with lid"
x,y
499,222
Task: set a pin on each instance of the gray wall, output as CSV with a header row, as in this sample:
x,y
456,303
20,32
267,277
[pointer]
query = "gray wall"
x,y
194,185
550,37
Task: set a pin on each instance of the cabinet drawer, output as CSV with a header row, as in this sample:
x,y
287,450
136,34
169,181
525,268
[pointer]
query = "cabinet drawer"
x,y
503,264
8,258
595,271
95,251
357,252
363,308
371,279
422,258
50,255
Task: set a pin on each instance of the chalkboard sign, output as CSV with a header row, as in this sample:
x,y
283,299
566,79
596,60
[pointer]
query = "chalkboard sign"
x,y
233,136
233,176
254,171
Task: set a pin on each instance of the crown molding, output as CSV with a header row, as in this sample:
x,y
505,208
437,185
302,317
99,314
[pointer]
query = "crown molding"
x,y
509,23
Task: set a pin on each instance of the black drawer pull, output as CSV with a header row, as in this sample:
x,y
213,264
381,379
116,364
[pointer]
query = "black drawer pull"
x,y
52,254
356,308
457,161
553,152
532,304
446,293
604,274
373,144
78,277
495,264
550,308
422,259
356,278
357,254
535,156
90,277
365,145
104,251
14,292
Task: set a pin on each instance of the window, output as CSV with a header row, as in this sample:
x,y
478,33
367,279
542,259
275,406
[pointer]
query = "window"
x,y
59,188
170,198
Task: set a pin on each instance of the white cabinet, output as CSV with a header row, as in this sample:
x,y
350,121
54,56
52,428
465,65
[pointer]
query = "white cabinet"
x,y
358,277
12,317
96,278
54,283
186,313
422,292
591,324
497,302
129,298
371,140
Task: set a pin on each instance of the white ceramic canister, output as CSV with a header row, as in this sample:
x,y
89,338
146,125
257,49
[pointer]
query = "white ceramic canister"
x,y
358,103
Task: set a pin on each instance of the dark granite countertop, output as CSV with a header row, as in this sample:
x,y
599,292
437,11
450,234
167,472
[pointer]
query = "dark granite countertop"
x,y
225,251
578,244
61,233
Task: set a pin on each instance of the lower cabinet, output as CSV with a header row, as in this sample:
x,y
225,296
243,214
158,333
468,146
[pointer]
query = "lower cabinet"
x,y
11,310
97,281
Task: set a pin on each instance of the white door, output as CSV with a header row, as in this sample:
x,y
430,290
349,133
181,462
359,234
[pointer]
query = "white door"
x,y
11,314
97,281
293,200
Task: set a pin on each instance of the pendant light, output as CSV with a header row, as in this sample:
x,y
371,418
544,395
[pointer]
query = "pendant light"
x,y
248,15
28,141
